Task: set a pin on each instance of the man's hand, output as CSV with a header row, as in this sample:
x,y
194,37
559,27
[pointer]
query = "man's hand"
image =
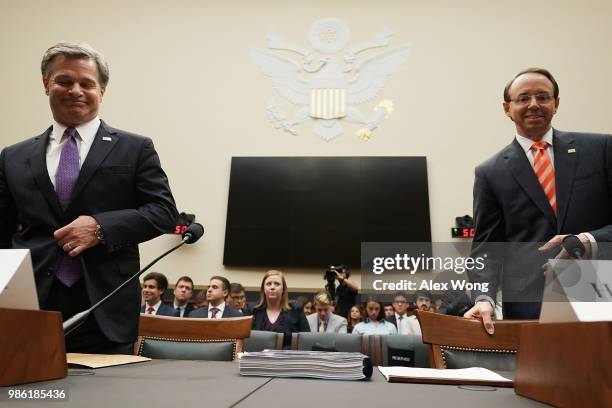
x,y
558,239
77,236
483,311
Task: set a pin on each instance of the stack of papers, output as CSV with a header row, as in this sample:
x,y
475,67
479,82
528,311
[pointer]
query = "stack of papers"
x,y
472,375
312,364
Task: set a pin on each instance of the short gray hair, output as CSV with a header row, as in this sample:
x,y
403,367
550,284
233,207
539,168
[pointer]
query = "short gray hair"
x,y
75,50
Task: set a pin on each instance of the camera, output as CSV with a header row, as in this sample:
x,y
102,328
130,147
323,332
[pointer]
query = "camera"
x,y
330,276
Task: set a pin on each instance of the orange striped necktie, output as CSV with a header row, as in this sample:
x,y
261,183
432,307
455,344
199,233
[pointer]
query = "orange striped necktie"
x,y
542,165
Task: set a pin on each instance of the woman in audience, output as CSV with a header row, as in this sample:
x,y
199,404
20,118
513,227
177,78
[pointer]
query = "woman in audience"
x,y
305,303
354,317
375,323
273,312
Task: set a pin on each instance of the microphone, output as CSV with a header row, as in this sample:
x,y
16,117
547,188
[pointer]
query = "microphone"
x,y
194,232
573,246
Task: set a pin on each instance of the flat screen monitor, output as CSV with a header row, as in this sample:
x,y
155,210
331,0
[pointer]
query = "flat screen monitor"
x,y
316,211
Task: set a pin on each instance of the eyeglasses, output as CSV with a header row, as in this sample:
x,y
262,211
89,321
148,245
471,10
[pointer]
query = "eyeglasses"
x,y
524,99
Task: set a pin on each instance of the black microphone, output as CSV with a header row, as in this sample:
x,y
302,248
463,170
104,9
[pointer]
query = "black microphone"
x,y
191,235
574,247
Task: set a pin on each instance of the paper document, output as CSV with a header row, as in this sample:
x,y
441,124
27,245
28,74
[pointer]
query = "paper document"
x,y
102,360
470,374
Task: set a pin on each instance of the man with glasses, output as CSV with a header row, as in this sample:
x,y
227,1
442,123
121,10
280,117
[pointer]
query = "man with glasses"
x,y
544,185
237,299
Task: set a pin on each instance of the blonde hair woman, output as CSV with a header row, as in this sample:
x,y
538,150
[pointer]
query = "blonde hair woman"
x,y
273,311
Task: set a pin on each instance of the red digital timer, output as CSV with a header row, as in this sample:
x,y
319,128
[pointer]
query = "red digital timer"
x,y
462,232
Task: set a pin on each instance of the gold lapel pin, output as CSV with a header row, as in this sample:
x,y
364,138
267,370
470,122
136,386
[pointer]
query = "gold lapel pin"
x,y
571,150
107,139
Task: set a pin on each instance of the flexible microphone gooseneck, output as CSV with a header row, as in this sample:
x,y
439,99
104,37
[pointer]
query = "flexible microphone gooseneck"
x,y
191,235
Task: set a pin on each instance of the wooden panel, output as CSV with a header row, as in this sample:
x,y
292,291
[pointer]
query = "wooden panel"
x,y
566,364
460,332
33,347
195,329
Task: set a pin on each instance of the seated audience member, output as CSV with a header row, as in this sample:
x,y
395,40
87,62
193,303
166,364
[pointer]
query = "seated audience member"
x,y
273,312
218,288
154,284
323,320
354,317
374,324
182,294
305,304
423,302
237,299
200,300
399,317
388,310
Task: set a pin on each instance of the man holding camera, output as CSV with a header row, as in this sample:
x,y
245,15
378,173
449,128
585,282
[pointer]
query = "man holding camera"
x,y
346,293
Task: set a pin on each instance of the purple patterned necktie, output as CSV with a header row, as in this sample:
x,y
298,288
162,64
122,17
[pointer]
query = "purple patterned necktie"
x,y
69,268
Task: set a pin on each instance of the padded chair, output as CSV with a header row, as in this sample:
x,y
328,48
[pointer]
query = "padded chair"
x,y
330,342
456,342
162,337
260,340
399,350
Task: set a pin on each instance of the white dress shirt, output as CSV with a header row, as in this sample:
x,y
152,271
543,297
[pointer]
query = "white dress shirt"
x,y
221,308
155,307
402,325
87,133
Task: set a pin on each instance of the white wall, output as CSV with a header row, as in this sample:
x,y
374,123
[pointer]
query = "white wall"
x,y
181,74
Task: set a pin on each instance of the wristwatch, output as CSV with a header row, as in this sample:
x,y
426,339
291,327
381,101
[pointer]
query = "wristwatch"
x,y
99,233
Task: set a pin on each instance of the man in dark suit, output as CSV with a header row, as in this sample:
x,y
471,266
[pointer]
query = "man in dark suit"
x,y
183,290
217,291
154,285
81,196
543,186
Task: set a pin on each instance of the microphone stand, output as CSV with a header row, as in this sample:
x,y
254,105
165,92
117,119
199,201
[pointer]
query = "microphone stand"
x,y
78,319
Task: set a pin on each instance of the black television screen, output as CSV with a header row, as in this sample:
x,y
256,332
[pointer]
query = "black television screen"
x,y
316,211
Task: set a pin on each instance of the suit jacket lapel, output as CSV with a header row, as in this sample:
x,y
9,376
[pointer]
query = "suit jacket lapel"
x,y
38,166
565,168
104,142
523,173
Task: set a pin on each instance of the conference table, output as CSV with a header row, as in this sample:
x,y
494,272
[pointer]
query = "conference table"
x,y
185,383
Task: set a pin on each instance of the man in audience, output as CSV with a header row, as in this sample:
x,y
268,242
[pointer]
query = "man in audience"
x,y
218,289
154,284
400,309
345,295
237,299
182,294
388,310
323,320
200,300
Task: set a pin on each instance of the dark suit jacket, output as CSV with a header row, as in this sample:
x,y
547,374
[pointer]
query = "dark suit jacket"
x,y
188,309
121,184
202,313
294,318
510,207
163,310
